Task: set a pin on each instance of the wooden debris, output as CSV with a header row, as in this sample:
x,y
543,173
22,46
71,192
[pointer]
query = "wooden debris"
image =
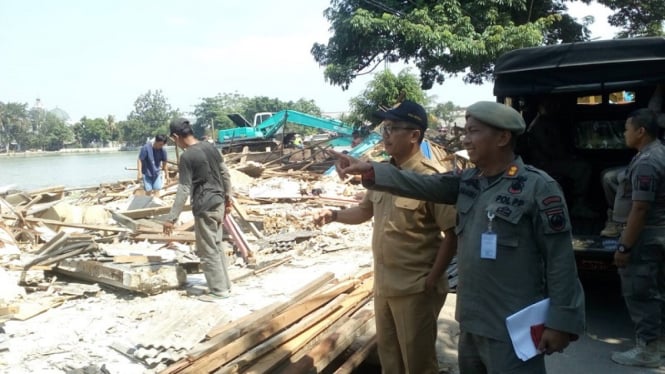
x,y
136,259
149,279
30,309
149,212
262,341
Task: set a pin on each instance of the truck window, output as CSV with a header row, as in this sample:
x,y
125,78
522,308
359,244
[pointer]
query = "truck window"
x,y
590,100
622,97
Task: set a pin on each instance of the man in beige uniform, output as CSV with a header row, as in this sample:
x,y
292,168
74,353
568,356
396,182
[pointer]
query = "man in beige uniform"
x,y
410,256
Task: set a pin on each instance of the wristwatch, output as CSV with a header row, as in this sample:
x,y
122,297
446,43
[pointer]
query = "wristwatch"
x,y
623,249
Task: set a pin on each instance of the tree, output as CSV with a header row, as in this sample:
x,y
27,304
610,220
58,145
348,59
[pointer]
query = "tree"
x,y
133,132
384,91
212,112
14,124
304,106
441,37
259,104
637,17
92,132
154,113
54,133
215,110
113,128
446,112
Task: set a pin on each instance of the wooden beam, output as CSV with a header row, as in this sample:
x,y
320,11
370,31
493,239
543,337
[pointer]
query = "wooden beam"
x,y
262,332
185,236
287,341
136,259
76,225
244,218
151,279
358,357
286,347
148,212
332,346
242,326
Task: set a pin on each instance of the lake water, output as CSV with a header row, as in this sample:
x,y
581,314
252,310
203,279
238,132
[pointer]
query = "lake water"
x,y
28,172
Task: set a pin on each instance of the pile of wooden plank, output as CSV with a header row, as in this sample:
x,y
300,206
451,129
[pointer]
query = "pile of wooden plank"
x,y
310,332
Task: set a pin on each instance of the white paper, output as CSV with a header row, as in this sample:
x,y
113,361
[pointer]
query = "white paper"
x,y
519,328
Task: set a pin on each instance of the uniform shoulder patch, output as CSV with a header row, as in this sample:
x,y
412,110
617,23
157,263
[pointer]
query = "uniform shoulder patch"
x,y
556,218
554,199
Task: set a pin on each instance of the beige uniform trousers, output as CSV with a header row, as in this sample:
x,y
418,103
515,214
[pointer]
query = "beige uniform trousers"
x,y
406,330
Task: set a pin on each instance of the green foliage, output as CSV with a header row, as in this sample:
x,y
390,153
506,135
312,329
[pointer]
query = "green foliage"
x,y
14,124
133,132
304,106
446,112
92,132
383,91
216,110
54,133
442,38
212,111
637,17
152,113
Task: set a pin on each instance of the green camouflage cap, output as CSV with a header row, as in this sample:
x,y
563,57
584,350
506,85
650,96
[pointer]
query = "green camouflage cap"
x,y
497,115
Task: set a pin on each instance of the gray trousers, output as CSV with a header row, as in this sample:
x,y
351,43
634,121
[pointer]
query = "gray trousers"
x,y
609,179
643,285
208,230
482,355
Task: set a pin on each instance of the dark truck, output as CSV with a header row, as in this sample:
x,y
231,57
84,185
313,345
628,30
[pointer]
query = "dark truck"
x,y
585,91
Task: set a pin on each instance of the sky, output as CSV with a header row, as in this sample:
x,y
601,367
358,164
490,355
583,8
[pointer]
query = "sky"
x,y
94,58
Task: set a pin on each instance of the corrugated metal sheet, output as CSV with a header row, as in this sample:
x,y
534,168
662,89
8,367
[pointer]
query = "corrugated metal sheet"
x,y
172,333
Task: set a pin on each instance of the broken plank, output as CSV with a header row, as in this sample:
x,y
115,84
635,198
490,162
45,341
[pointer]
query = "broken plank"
x,y
281,347
274,350
28,310
332,346
358,357
76,225
8,310
151,279
55,242
147,212
185,236
242,326
123,220
262,332
136,259
244,218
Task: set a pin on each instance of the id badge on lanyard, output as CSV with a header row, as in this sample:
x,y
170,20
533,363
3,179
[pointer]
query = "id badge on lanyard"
x,y
488,240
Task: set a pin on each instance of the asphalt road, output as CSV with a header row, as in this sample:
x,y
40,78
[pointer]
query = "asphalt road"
x,y
609,329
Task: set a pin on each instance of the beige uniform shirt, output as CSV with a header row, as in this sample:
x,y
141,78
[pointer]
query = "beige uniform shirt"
x,y
407,236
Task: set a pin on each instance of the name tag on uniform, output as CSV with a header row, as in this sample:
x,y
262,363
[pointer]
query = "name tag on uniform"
x,y
488,246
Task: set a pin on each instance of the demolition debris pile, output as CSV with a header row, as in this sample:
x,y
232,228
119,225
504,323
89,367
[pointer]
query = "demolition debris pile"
x,y
91,285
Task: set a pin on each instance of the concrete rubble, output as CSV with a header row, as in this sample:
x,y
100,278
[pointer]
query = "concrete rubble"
x,y
91,285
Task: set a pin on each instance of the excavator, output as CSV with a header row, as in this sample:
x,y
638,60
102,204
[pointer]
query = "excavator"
x,y
263,133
